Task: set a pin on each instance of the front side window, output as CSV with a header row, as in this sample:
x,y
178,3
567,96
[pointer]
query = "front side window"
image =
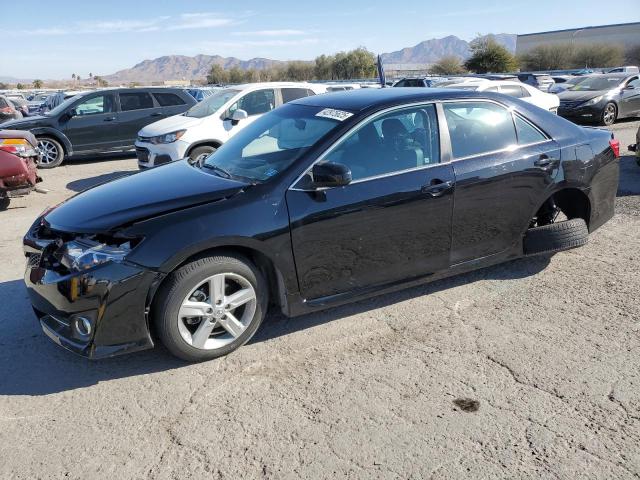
x,y
476,128
212,104
255,103
635,83
95,105
135,101
394,142
268,146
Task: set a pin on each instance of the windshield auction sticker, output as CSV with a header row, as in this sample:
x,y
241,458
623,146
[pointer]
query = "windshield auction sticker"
x,y
333,114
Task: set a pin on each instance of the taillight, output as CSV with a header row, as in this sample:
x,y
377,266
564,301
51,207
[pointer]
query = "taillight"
x,y
615,146
17,146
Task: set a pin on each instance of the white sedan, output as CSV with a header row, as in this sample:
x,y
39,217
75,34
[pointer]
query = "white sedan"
x,y
530,94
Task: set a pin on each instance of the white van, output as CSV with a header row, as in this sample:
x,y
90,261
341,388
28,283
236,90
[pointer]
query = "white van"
x,y
204,127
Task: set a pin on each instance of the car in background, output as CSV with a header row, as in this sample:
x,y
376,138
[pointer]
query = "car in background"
x,y
8,110
542,81
326,200
16,95
21,105
563,82
602,98
417,82
102,121
516,89
201,93
18,158
203,128
36,102
627,69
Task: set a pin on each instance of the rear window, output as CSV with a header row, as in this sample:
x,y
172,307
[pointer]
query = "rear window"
x,y
135,101
290,94
514,91
168,99
477,128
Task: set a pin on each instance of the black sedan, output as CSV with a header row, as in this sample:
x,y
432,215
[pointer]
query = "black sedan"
x,y
601,99
323,201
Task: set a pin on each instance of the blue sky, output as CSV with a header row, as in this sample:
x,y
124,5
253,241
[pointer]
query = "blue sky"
x,y
53,39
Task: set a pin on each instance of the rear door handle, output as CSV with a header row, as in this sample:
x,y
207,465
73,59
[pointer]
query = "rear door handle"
x,y
546,163
157,114
437,187
109,119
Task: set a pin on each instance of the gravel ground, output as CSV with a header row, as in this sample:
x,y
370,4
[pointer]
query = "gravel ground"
x,y
543,350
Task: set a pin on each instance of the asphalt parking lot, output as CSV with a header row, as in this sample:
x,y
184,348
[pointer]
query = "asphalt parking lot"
x,y
546,349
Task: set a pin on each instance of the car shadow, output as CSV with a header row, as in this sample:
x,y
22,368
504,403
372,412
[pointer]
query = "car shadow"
x,y
30,364
84,183
629,183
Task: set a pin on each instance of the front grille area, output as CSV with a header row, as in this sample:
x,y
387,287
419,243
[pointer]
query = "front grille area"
x,y
144,139
142,154
570,103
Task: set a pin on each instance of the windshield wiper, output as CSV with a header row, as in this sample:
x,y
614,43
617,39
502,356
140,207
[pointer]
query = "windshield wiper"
x,y
217,169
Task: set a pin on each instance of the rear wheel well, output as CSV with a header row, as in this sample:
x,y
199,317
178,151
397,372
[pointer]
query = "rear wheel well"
x,y
210,143
572,202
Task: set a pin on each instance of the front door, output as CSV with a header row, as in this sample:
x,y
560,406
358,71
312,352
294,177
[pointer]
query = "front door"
x,y
255,103
392,223
92,124
504,167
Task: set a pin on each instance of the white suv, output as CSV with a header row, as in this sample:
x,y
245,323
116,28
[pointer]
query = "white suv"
x,y
204,127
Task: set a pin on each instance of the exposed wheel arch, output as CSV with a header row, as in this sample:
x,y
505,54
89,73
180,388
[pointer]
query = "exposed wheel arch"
x,y
202,143
571,201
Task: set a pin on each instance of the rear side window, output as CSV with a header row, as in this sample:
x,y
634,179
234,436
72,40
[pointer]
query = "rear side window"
x,y
477,128
255,103
135,101
527,133
168,99
514,91
290,94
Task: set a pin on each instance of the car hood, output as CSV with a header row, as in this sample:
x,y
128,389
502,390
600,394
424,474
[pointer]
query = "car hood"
x,y
139,196
168,125
29,122
578,95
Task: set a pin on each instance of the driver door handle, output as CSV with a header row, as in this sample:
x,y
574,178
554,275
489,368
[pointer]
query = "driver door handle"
x,y
437,187
109,119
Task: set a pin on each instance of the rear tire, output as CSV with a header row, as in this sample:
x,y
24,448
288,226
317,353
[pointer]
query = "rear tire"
x,y
556,237
190,290
51,152
4,203
199,154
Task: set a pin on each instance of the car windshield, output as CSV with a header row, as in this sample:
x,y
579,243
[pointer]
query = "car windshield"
x,y
273,142
593,84
63,106
212,104
471,88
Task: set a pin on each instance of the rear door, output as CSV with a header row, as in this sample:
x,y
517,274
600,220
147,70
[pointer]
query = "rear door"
x,y
137,110
504,166
92,124
391,223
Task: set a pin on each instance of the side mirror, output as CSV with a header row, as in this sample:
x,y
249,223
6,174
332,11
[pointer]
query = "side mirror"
x,y
329,174
72,113
238,115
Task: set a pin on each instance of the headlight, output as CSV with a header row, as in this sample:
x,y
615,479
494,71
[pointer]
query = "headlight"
x,y
593,101
167,137
85,254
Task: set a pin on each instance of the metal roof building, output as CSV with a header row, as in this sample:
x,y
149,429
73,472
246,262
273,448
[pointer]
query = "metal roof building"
x,y
625,34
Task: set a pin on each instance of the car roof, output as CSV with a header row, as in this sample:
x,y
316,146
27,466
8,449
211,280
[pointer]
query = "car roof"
x,y
258,85
358,100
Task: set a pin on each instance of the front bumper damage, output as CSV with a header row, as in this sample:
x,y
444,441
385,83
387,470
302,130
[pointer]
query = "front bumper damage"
x,y
112,298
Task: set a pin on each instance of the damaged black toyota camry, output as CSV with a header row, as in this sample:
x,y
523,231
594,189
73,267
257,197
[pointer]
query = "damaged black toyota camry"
x,y
323,201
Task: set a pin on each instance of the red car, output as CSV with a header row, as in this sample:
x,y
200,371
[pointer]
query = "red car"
x,y
18,159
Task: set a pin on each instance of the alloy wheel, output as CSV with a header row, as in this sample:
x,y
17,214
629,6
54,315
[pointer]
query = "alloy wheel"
x,y
217,311
49,152
609,116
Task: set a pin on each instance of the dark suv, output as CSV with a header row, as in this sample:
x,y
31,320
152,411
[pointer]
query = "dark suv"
x,y
101,121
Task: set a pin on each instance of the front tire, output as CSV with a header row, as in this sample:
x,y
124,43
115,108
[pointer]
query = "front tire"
x,y
198,155
51,152
609,114
556,237
210,307
4,203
